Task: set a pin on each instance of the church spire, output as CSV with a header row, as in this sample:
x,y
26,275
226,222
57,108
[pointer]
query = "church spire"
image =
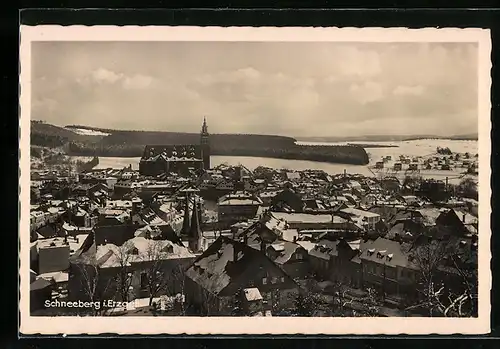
x,y
195,235
185,222
204,128
195,231
205,144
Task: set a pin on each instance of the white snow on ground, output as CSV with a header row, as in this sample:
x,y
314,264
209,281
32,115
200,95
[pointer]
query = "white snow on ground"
x,y
86,132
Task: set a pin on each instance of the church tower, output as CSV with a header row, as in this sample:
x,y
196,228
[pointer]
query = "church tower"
x,y
195,234
205,145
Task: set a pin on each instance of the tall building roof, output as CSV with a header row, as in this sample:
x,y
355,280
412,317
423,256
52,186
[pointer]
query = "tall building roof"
x,y
185,223
195,229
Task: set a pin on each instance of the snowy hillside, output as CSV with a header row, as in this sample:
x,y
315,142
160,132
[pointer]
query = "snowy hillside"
x,y
86,132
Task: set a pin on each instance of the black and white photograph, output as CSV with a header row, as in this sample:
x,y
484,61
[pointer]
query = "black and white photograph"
x,y
258,180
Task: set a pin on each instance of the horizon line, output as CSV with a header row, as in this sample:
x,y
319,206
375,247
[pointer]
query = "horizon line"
x,y
428,136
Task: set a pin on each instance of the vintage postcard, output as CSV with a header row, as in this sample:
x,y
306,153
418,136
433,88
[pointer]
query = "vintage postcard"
x,y
188,180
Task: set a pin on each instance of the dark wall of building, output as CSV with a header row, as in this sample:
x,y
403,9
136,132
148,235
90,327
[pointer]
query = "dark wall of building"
x,y
115,234
53,259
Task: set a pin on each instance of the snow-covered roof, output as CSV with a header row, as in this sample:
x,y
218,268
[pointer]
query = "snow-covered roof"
x,y
252,294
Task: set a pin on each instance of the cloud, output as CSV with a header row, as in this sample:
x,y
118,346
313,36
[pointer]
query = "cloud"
x,y
44,105
137,82
293,89
367,92
409,90
102,75
363,63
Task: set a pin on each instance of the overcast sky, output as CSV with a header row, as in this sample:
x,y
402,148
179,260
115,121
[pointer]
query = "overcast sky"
x,y
295,89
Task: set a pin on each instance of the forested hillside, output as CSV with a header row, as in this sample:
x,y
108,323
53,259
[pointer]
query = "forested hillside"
x,y
119,143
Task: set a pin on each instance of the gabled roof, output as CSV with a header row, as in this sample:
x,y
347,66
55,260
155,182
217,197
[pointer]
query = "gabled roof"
x,y
150,217
179,150
385,252
268,224
285,250
252,294
429,215
39,284
324,249
224,262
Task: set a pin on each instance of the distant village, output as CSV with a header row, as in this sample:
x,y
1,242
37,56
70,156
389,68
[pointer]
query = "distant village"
x,y
179,237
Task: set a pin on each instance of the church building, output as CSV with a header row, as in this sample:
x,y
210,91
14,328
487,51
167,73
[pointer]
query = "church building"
x,y
178,158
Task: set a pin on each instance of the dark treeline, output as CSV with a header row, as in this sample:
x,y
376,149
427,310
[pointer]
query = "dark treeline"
x,y
333,154
36,152
87,166
46,140
216,140
113,150
131,144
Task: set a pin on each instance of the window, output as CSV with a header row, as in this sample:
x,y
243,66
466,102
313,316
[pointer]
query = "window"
x,y
264,281
390,273
282,279
134,251
299,256
274,279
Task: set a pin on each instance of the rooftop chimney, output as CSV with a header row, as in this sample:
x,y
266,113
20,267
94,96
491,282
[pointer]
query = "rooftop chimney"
x,y
463,218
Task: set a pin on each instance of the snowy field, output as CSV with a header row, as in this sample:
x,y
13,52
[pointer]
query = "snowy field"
x,y
85,132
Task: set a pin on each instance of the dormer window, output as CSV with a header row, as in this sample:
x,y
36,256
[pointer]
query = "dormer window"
x,y
371,251
389,256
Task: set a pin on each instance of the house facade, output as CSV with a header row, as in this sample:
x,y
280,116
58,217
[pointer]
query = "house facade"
x,y
228,266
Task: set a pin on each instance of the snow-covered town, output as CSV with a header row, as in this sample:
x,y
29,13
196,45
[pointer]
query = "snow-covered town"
x,y
228,241
340,179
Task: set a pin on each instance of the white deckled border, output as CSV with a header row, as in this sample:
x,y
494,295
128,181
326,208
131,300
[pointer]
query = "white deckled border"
x,y
261,325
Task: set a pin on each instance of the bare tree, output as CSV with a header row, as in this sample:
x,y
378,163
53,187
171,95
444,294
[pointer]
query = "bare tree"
x,y
427,258
341,301
124,256
371,303
468,188
163,275
175,284
435,260
93,285
154,259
